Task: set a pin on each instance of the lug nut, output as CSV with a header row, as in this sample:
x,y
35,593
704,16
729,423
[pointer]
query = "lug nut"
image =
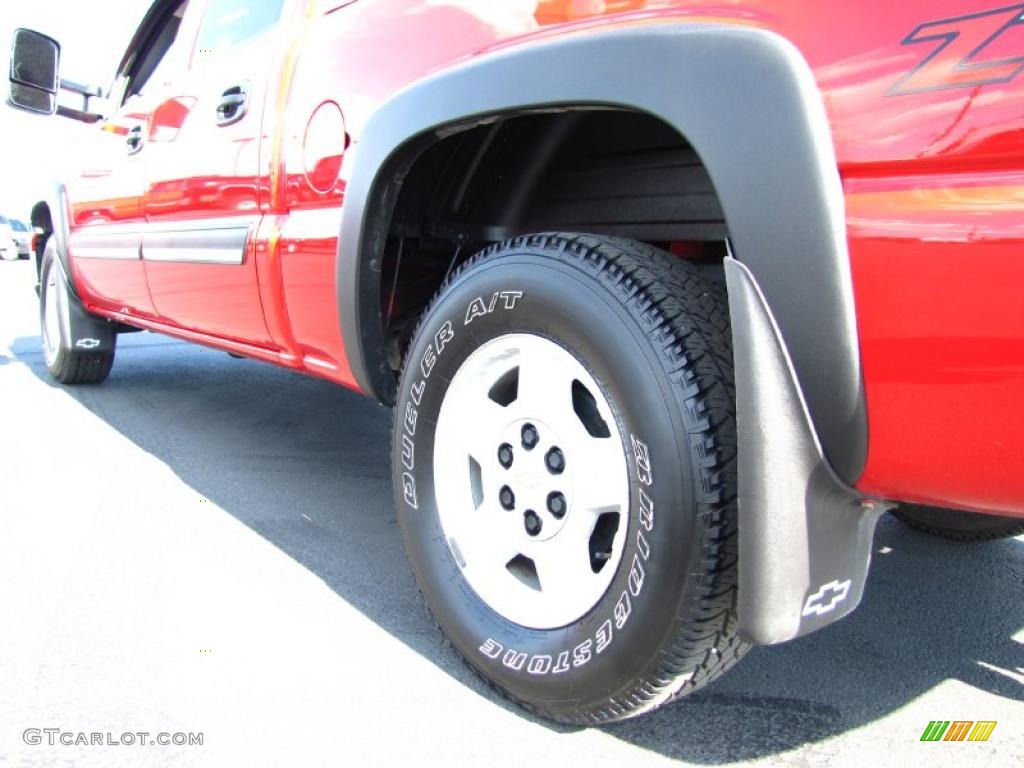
x,y
507,498
505,455
555,461
533,523
556,504
530,437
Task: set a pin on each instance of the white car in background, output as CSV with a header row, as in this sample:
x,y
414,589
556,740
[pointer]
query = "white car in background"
x,y
22,234
8,245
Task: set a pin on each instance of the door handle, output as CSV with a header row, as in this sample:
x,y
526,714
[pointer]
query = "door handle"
x,y
134,140
233,104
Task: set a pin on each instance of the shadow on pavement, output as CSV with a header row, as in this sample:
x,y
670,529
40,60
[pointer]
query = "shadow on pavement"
x,y
306,464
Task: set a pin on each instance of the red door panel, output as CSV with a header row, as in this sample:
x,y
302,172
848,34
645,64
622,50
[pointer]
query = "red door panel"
x,y
107,217
203,191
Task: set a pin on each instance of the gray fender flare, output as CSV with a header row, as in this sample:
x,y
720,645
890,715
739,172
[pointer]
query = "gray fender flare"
x,y
56,201
744,98
85,331
747,102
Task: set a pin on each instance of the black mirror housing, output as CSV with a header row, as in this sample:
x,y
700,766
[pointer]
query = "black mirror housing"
x,y
35,72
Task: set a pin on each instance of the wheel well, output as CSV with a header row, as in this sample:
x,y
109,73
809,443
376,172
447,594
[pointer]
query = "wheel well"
x,y
603,171
40,217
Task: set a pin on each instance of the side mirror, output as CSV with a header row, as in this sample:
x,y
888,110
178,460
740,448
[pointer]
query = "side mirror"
x,y
34,76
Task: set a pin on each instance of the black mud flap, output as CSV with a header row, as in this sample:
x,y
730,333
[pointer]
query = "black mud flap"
x,y
86,332
805,537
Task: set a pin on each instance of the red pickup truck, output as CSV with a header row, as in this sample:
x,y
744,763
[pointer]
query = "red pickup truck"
x,y
672,298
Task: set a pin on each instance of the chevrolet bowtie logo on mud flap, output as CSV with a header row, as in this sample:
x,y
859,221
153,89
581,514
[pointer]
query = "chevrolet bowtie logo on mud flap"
x,y
87,343
827,598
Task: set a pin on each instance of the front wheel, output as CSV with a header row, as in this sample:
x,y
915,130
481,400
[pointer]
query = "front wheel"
x,y
64,362
564,463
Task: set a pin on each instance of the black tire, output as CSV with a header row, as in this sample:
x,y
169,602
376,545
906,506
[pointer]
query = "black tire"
x,y
655,336
66,364
957,525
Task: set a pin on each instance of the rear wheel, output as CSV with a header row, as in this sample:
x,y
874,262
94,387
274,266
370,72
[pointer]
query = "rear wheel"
x,y
961,526
65,363
564,461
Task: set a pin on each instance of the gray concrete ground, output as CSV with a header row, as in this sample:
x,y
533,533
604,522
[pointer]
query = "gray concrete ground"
x,y
205,544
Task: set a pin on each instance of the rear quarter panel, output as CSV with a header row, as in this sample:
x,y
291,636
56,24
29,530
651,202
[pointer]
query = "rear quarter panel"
x,y
932,162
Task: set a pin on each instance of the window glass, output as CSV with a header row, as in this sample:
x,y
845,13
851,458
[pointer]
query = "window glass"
x,y
229,23
157,64
17,226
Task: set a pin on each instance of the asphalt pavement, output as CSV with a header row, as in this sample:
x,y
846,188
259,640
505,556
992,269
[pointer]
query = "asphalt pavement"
x,y
209,545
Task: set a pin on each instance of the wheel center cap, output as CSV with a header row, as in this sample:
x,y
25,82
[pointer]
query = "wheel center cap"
x,y
539,478
528,481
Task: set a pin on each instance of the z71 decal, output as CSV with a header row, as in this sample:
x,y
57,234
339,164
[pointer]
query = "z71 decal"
x,y
978,49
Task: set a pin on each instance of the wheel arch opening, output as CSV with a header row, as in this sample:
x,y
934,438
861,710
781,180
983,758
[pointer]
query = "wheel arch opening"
x,y
599,170
40,218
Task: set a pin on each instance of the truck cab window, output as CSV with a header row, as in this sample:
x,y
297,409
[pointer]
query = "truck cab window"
x,y
155,63
230,23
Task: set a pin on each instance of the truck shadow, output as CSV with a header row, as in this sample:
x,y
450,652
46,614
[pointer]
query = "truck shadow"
x,y
306,465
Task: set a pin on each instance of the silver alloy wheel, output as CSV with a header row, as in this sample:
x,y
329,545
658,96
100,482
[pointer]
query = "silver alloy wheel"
x,y
52,310
531,481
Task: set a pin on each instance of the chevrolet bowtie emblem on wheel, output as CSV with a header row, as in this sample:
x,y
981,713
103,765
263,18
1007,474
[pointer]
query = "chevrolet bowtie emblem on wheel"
x,y
827,598
87,343
528,480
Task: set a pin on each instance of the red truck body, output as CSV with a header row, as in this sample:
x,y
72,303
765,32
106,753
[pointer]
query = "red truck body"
x,y
931,159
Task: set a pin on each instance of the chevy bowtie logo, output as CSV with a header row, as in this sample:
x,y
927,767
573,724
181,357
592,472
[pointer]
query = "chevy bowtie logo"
x,y
87,343
827,598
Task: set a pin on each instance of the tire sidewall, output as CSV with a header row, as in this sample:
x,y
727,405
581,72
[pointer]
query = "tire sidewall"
x,y
618,640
